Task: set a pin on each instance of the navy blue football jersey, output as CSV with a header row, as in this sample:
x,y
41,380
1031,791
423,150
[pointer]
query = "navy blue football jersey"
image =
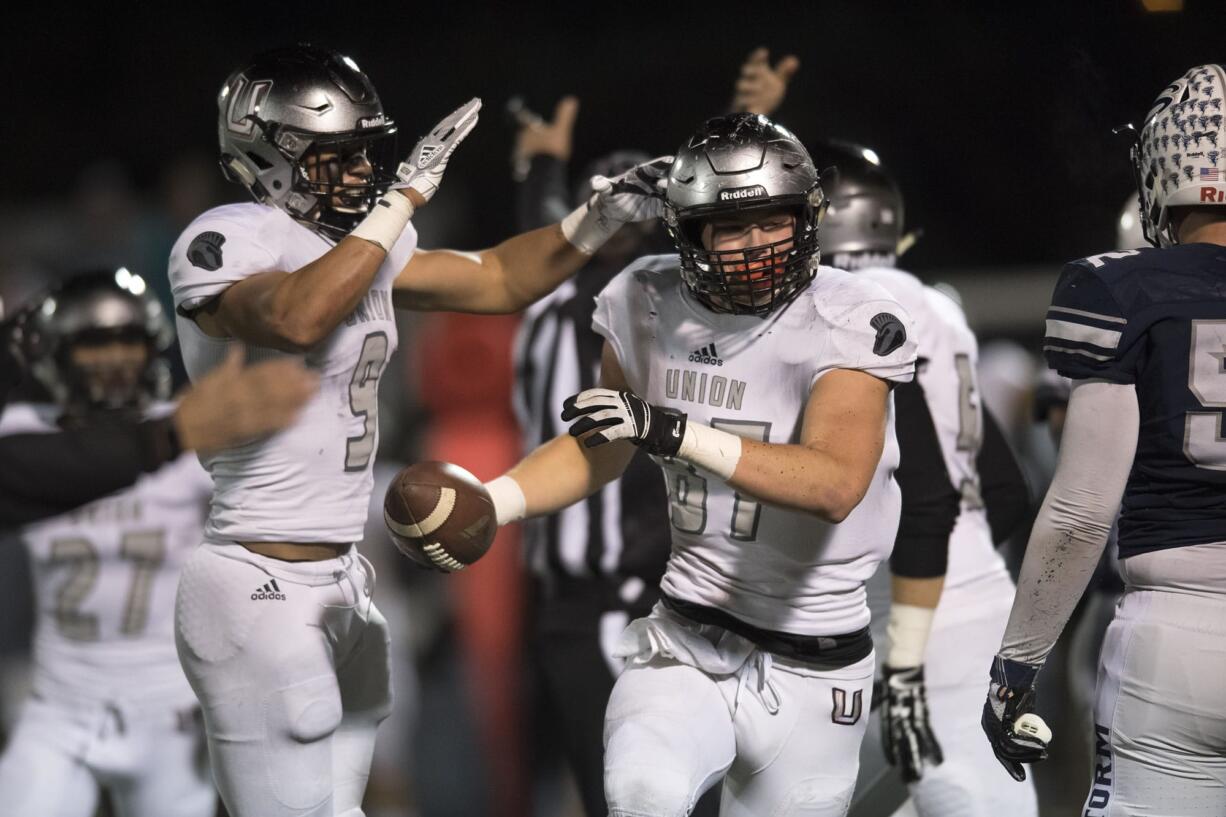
x,y
1156,318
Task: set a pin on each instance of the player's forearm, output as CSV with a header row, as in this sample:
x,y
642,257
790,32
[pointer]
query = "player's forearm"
x,y
802,478
528,267
46,475
1076,517
913,604
305,307
562,472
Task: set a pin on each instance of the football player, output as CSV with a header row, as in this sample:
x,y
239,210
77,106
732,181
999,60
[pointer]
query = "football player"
x,y
951,517
274,621
46,475
110,708
761,384
1141,333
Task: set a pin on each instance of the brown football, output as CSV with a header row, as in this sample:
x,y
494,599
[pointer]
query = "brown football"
x,y
439,515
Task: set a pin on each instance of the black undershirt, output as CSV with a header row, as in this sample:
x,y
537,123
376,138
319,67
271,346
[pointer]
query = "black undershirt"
x,y
45,475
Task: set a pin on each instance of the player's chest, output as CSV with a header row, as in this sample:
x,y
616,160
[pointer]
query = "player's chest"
x,y
723,380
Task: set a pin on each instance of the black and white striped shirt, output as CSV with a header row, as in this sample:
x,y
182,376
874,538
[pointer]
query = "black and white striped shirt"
x,y
623,530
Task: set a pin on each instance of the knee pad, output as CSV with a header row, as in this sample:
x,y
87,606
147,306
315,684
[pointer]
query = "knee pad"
x,y
312,709
649,771
644,790
297,754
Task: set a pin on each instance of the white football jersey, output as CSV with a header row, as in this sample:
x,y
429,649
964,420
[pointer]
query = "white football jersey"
x,y
312,481
949,356
104,582
773,568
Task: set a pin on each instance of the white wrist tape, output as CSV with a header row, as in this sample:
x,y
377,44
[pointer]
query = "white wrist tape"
x,y
508,497
587,229
907,634
386,220
716,451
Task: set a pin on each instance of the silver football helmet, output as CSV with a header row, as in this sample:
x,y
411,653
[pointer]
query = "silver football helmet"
x,y
736,163
95,309
303,130
863,226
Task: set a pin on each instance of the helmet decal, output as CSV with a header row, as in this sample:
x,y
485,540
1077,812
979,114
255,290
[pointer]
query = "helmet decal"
x,y
303,130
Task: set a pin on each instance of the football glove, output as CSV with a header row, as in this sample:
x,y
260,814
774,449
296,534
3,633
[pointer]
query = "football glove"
x,y
636,195
623,415
423,170
1011,697
906,735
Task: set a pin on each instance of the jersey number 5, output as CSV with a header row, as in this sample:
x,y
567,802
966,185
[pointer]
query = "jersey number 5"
x,y
364,400
1203,442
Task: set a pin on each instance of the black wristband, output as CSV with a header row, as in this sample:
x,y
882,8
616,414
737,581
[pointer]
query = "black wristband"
x,y
159,443
665,431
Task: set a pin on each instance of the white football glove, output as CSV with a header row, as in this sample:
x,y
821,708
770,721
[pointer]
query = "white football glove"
x,y
423,170
636,195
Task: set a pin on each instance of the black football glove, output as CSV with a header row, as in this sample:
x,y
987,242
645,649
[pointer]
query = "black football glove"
x,y
618,415
1010,697
906,735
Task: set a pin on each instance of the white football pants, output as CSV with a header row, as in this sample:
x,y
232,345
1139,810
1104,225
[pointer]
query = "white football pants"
x,y
1160,717
290,662
971,782
697,704
152,762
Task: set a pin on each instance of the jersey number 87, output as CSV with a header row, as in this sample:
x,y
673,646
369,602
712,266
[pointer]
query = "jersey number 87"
x,y
687,489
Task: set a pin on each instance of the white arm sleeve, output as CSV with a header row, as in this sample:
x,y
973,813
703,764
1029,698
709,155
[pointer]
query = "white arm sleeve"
x,y
1096,452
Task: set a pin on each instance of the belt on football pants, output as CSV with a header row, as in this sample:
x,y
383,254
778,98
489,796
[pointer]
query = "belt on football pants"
x,y
826,652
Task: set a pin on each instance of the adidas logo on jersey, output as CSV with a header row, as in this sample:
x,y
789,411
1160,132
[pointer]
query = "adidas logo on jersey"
x,y
706,354
269,592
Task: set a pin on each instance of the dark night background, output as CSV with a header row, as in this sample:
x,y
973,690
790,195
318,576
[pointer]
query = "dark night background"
x,y
996,117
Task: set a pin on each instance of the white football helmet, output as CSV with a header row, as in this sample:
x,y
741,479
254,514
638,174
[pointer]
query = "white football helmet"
x,y
1177,157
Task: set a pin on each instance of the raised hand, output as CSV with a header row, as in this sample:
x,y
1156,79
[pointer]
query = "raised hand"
x,y
760,87
422,172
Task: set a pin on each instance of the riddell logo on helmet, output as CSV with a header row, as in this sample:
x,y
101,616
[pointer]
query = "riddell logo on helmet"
x,y
756,191
1214,195
372,121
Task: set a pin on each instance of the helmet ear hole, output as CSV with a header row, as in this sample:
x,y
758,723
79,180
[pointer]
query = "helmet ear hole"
x,y
259,161
236,171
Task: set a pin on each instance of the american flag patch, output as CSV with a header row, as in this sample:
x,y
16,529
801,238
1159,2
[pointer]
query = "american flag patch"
x,y
1209,174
